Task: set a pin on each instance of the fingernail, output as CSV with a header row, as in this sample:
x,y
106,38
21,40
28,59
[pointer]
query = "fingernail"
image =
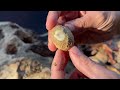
x,y
75,50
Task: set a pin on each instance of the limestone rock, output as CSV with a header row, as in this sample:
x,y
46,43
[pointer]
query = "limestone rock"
x,y
23,54
9,71
25,68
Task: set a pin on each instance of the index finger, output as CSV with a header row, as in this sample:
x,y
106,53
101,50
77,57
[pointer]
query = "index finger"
x,y
52,19
58,65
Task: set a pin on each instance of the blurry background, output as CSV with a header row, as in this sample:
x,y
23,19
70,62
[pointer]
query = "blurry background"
x,y
34,20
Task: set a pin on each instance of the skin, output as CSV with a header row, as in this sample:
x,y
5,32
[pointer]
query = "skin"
x,y
87,27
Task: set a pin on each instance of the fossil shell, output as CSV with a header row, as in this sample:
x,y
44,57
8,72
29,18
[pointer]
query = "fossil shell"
x,y
62,37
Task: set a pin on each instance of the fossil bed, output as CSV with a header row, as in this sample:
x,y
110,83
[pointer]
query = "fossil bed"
x,y
24,55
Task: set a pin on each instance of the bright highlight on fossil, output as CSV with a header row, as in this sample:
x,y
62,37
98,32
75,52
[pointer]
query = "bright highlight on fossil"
x,y
59,35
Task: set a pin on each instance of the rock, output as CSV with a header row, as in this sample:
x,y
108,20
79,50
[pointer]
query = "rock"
x,y
11,49
1,34
23,54
44,74
25,37
9,71
113,69
117,66
17,42
24,69
38,48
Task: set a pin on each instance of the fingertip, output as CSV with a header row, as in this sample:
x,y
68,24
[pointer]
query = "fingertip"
x,y
50,24
52,47
52,19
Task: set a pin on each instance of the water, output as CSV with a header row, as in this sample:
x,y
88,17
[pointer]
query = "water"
x,y
34,20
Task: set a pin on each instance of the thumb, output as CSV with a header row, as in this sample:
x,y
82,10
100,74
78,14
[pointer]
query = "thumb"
x,y
81,62
88,67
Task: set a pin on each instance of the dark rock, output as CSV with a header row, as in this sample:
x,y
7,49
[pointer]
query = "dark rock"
x,y
1,34
24,37
42,50
11,49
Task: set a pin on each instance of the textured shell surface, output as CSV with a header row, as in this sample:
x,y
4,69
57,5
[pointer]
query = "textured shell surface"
x,y
62,37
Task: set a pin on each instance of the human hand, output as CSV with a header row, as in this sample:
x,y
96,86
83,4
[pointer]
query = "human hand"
x,y
82,63
87,26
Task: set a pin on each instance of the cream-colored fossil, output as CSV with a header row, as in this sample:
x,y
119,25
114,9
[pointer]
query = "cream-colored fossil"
x,y
62,37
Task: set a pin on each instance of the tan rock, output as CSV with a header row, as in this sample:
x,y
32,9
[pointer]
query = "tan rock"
x,y
9,71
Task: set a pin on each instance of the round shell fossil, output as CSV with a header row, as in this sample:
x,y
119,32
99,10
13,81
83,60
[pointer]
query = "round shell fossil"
x,y
62,37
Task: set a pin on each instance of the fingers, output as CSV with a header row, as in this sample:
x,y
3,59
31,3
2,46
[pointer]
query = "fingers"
x,y
59,64
83,22
52,19
61,20
51,46
81,62
57,17
88,67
